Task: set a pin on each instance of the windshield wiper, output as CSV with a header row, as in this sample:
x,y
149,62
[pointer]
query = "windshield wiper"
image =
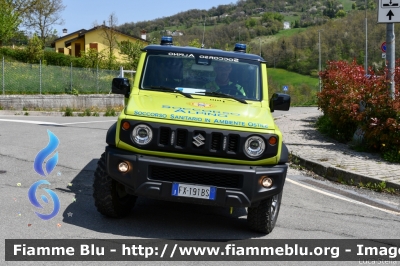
x,y
162,88
220,94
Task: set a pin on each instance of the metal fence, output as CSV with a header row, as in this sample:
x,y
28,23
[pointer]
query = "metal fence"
x,y
22,78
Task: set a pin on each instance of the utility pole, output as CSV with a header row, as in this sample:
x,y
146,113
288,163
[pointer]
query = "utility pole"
x,y
390,42
366,40
319,62
260,44
204,30
388,13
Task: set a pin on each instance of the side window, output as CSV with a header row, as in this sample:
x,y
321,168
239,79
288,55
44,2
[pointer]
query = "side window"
x,y
150,75
247,76
163,71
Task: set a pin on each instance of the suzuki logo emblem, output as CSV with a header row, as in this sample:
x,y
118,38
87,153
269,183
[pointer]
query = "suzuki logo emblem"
x,y
198,140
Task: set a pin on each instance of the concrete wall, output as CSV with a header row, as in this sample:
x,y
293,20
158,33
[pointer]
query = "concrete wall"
x,y
55,102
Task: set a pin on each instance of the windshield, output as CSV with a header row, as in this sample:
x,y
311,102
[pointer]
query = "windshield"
x,y
203,74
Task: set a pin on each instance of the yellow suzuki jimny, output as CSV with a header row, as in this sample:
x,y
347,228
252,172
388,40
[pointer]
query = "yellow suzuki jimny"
x,y
196,128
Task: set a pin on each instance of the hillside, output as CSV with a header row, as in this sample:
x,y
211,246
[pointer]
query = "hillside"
x,y
233,16
259,23
243,20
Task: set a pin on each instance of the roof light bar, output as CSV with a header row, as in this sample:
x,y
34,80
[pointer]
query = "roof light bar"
x,y
240,47
166,40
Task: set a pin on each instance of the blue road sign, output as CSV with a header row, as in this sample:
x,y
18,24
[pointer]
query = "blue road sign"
x,y
383,47
285,88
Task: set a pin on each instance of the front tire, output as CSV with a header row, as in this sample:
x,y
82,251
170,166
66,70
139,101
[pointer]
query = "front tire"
x,y
263,217
110,197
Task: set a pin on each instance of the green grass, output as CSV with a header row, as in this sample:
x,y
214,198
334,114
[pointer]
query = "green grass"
x,y
289,32
174,28
110,112
183,28
280,34
347,4
302,89
22,78
293,17
284,77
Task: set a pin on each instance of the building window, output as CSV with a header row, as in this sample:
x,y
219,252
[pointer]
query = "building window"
x,y
93,46
61,50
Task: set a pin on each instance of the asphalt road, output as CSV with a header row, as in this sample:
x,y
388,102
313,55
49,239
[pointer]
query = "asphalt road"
x,y
311,208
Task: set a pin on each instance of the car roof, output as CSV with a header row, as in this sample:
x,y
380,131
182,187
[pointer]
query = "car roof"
x,y
213,52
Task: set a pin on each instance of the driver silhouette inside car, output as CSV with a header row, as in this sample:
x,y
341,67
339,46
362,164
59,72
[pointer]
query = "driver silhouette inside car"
x,y
222,82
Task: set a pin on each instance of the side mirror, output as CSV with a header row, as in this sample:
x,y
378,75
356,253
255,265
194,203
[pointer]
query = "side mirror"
x,y
121,86
279,101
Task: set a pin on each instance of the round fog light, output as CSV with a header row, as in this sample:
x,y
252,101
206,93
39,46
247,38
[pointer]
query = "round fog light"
x,y
126,125
266,182
123,167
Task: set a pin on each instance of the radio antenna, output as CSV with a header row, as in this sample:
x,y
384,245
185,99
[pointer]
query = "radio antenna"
x,y
204,29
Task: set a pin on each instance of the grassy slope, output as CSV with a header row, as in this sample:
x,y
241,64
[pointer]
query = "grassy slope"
x,y
291,79
302,89
346,4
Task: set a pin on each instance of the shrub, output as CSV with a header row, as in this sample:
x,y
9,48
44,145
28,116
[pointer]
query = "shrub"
x,y
16,54
68,112
34,49
110,112
341,82
345,87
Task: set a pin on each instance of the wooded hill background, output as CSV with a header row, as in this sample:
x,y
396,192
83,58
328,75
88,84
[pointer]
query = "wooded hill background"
x,y
260,23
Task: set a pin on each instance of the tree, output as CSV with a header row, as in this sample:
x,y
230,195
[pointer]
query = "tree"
x,y
250,23
35,49
23,6
195,43
132,50
271,16
341,13
42,16
109,35
9,21
92,58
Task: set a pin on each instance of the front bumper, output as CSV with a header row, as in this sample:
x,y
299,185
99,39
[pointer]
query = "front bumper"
x,y
237,185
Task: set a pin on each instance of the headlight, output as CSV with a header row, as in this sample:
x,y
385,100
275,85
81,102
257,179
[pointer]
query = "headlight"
x,y
254,147
142,134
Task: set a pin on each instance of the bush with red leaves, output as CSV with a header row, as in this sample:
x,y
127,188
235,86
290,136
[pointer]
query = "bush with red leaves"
x,y
345,88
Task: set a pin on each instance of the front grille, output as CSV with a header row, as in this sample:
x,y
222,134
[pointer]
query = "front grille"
x,y
208,142
216,179
216,141
181,138
233,144
165,134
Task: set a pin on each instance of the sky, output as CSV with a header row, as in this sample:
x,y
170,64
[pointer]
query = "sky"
x,y
82,14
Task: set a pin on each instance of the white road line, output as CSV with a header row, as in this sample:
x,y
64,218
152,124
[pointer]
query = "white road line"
x,y
30,122
88,122
342,198
51,123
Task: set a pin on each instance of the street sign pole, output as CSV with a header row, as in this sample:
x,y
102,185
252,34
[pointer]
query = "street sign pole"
x,y
389,13
390,56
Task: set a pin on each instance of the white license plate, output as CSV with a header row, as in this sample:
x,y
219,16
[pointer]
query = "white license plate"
x,y
192,191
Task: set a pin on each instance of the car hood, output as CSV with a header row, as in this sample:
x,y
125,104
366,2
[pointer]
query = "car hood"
x,y
200,109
